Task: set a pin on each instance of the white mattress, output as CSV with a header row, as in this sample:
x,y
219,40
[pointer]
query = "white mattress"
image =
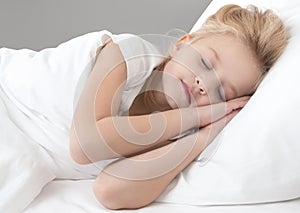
x,y
77,197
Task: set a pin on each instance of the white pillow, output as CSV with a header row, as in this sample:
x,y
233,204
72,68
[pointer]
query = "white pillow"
x,y
256,157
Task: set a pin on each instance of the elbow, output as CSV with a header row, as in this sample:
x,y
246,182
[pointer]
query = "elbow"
x,y
112,193
76,151
78,156
108,198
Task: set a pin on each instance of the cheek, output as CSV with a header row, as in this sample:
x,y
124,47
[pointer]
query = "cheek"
x,y
181,73
176,69
171,68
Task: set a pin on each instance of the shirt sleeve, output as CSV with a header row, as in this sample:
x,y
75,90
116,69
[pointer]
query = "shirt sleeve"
x,y
140,57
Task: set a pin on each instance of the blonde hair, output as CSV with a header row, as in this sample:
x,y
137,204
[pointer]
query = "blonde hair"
x,y
262,31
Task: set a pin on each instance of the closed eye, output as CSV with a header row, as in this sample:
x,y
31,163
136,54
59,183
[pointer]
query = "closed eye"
x,y
221,94
205,64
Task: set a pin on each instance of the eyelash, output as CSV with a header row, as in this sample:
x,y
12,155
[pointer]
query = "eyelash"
x,y
204,63
222,97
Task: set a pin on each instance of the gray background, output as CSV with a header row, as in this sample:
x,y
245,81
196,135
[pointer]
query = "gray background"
x,y
37,24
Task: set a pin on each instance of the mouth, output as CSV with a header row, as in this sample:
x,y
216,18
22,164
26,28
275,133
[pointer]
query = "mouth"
x,y
187,91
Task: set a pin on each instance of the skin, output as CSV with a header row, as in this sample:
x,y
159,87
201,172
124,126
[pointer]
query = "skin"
x,y
214,69
134,181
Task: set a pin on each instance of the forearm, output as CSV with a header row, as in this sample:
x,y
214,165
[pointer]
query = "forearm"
x,y
93,140
115,136
139,180
130,135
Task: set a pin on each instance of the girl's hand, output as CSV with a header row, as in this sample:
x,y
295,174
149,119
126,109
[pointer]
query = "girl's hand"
x,y
210,113
210,131
216,127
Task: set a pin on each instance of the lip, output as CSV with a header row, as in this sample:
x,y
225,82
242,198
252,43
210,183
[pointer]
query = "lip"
x,y
187,91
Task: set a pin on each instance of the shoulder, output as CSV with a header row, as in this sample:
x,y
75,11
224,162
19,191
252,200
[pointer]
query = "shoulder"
x,y
134,45
140,56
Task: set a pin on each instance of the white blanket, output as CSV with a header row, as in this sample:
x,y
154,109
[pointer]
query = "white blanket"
x,y
25,166
76,197
38,92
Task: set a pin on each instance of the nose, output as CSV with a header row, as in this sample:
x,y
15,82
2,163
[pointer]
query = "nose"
x,y
200,86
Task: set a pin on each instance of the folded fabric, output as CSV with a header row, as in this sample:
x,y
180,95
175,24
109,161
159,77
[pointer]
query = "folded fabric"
x,y
25,167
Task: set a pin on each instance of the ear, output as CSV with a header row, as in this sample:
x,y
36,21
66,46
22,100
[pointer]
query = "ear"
x,y
179,43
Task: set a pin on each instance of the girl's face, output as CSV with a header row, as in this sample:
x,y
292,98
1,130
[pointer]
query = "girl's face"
x,y
209,70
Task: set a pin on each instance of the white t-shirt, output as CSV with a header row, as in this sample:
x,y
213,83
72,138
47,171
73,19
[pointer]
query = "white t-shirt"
x,y
141,57
43,88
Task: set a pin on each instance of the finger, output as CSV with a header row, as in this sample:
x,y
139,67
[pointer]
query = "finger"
x,y
215,128
212,113
243,98
236,105
231,115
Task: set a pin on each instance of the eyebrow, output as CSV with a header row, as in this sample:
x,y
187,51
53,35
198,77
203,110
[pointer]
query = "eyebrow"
x,y
214,53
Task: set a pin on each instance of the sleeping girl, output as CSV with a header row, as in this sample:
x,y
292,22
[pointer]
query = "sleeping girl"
x,y
136,117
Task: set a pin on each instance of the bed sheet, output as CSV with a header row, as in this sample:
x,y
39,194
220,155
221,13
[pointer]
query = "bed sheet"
x,y
77,197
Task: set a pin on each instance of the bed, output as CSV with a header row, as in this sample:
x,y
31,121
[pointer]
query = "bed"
x,y
282,193
77,197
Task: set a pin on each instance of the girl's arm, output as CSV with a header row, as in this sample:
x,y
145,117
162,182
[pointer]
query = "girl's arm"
x,y
102,135
137,181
